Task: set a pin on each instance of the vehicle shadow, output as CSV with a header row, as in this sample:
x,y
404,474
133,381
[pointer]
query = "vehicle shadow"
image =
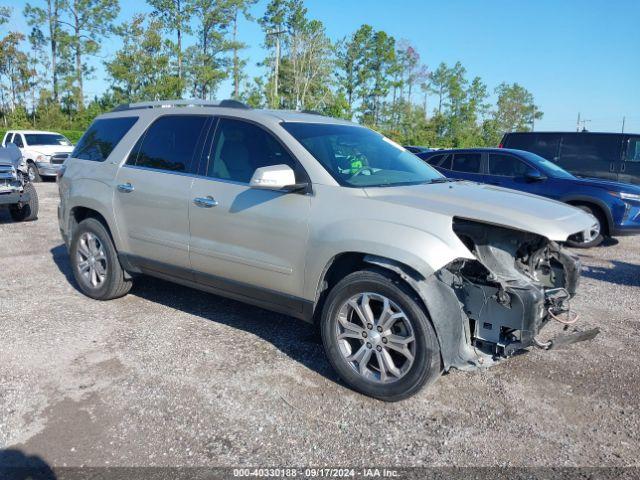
x,y
298,340
621,273
16,465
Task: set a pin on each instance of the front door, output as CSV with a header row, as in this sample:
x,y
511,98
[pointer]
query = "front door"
x,y
153,192
630,166
508,171
244,240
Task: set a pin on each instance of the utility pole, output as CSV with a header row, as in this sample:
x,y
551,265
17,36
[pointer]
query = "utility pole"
x,y
623,119
276,34
578,123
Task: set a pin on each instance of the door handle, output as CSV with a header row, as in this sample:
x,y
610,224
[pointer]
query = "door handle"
x,y
612,167
205,202
623,167
125,187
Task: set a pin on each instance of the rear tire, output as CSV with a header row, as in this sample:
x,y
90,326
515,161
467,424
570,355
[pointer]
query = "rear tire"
x,y
95,264
28,211
578,240
348,336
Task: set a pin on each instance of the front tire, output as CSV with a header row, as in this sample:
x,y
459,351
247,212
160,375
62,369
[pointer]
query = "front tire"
x,y
95,263
589,238
378,337
32,172
26,212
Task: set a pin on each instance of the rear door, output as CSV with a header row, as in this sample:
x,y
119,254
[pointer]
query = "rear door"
x,y
467,166
591,155
630,166
153,192
247,241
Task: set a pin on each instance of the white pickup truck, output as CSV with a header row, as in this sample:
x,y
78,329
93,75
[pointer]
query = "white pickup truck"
x,y
43,151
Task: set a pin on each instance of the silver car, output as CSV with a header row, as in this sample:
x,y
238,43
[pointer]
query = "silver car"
x,y
407,274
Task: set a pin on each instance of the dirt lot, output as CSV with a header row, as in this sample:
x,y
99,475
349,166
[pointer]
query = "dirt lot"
x,y
172,376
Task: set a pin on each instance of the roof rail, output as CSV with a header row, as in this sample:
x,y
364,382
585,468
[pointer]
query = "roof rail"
x,y
180,103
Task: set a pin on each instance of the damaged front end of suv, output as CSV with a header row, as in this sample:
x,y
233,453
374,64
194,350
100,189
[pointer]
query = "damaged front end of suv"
x,y
495,305
16,191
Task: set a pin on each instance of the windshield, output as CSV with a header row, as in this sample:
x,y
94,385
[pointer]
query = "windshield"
x,y
359,157
551,169
46,139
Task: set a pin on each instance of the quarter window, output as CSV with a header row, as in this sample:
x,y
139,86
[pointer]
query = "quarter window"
x,y
633,150
239,148
102,137
507,166
466,162
170,143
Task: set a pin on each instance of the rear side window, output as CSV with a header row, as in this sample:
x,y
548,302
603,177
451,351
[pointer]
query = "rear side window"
x,y
101,138
543,144
466,162
507,166
633,150
590,149
170,143
435,160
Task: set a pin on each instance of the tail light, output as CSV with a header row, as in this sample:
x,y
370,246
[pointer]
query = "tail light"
x,y
61,170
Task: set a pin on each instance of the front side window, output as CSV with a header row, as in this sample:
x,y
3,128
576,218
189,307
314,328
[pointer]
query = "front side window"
x,y
17,140
46,139
359,157
466,162
102,137
507,166
240,147
633,150
170,143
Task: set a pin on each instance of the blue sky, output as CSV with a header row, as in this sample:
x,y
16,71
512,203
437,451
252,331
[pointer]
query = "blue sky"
x,y
574,56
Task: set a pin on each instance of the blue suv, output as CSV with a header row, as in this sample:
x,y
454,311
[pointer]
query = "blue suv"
x,y
616,206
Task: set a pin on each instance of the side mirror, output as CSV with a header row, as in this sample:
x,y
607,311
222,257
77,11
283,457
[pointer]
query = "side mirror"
x,y
276,177
534,176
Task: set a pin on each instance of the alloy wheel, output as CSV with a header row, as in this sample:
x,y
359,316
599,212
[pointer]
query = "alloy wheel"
x,y
375,337
91,260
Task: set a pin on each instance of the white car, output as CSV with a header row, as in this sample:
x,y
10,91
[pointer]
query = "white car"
x,y
43,151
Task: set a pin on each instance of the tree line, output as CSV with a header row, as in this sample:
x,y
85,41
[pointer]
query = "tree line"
x,y
187,48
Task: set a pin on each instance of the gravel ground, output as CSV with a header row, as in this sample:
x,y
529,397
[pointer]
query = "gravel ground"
x,y
171,376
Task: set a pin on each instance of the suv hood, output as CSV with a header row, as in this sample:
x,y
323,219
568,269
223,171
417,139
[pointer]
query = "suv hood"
x,y
607,184
51,149
489,204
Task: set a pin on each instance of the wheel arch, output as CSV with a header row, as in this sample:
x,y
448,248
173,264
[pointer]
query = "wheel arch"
x,y
597,205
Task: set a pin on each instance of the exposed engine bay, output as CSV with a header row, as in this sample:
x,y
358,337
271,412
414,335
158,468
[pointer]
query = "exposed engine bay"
x,y
518,282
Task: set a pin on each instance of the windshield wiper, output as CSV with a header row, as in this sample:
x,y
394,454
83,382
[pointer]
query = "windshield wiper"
x,y
446,180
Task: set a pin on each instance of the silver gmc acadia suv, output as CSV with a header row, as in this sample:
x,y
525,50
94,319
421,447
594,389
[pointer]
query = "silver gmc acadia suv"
x,y
406,273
